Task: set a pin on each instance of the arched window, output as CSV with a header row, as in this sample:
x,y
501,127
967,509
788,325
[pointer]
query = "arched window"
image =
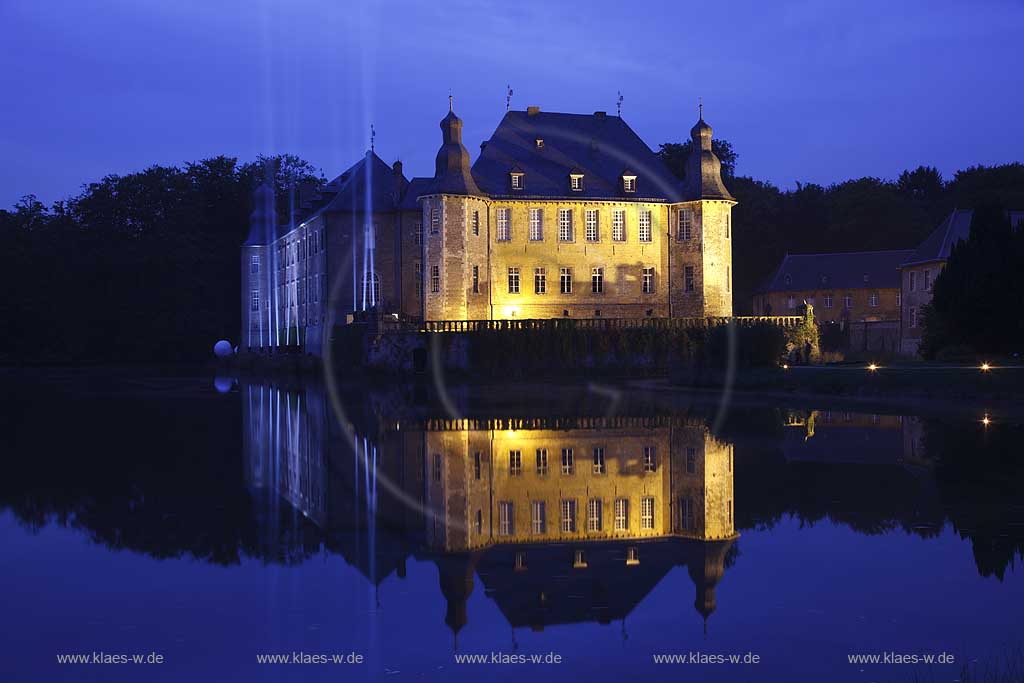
x,y
371,290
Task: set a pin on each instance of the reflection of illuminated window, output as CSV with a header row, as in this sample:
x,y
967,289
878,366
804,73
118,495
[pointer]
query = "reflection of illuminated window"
x,y
520,563
686,513
505,519
650,459
568,515
691,459
594,506
538,517
515,463
647,513
599,461
579,559
568,464
632,555
542,461
622,514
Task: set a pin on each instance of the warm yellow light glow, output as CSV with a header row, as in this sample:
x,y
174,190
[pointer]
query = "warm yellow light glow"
x,y
986,421
785,366
872,367
511,311
985,367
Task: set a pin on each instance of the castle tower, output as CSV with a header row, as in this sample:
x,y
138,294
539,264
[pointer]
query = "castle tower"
x,y
701,248
455,224
257,272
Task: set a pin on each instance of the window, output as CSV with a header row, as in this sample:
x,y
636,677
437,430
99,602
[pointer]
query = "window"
x,y
913,317
729,506
650,459
688,278
506,523
435,222
435,279
865,278
873,300
644,226
476,279
254,301
629,183
685,224
417,273
691,459
647,284
647,513
504,233
576,182
417,233
622,514
371,289
477,461
927,280
540,281
599,461
538,517
590,224
594,514
789,279
632,555
565,225
568,464
513,280
568,515
437,467
728,226
517,181
899,298
597,280
536,225
791,302
515,463
476,222
619,225
579,559
254,264
828,301
565,280
542,461
847,302
913,281
728,279
686,514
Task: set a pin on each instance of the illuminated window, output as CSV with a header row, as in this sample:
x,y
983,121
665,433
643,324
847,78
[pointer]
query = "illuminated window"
x,y
594,514
476,279
565,225
254,264
590,223
513,280
685,224
622,514
417,235
568,515
515,463
536,225
576,182
538,517
371,289
791,302
540,281
927,280
629,183
688,278
828,300
599,461
913,317
417,273
477,461
643,228
789,279
691,459
619,225
873,300
542,461
847,301
517,181
647,513
476,222
504,232
435,221
568,463
597,280
506,520
650,458
579,559
632,555
913,281
565,280
254,301
647,283
686,520
435,279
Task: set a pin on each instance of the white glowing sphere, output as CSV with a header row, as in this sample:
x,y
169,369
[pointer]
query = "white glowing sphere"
x,y
222,384
222,349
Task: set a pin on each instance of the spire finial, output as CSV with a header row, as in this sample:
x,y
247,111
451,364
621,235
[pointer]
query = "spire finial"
x,y
508,98
373,137
618,105
700,108
449,100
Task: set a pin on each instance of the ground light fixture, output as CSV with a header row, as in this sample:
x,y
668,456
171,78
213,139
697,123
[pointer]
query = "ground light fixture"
x,y
985,367
872,367
986,420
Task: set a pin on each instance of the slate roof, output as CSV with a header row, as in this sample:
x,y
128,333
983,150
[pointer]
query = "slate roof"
x,y
351,194
937,246
417,187
840,271
599,145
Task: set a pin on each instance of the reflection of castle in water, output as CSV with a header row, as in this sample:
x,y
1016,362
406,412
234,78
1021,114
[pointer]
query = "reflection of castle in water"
x,y
563,519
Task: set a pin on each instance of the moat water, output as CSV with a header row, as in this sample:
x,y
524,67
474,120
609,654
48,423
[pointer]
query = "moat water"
x,y
210,523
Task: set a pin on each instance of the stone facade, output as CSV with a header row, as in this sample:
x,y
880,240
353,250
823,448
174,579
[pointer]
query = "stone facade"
x,y
916,282
830,304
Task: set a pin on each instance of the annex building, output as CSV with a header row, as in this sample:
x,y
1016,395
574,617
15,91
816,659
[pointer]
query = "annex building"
x,y
560,215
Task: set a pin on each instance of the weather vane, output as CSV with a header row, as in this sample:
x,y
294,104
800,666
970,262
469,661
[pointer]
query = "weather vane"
x,y
373,136
618,105
700,108
449,99
508,98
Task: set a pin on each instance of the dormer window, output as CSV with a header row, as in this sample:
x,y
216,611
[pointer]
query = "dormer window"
x,y
517,180
789,279
539,142
576,182
629,183
865,277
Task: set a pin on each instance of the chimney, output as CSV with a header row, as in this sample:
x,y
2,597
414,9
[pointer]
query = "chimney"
x,y
532,111
599,115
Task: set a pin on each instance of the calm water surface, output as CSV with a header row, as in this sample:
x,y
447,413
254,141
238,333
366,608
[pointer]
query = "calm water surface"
x,y
213,525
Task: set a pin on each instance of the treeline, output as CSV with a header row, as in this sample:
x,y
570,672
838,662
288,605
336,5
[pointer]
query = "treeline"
x,y
135,268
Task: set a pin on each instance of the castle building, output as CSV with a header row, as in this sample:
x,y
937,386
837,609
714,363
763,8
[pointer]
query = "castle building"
x,y
561,216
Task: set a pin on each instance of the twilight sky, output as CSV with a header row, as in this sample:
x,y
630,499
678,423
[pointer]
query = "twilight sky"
x,y
805,90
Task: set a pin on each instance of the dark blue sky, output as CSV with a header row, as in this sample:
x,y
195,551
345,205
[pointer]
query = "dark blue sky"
x,y
805,90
